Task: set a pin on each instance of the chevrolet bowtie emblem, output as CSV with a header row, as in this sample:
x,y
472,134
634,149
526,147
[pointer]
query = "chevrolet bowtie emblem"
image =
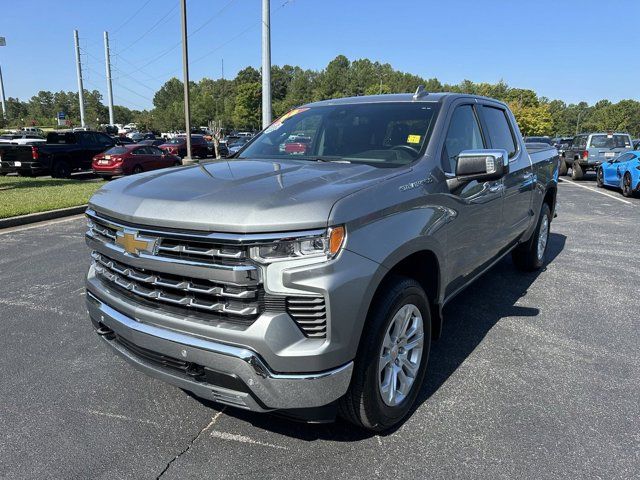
x,y
134,244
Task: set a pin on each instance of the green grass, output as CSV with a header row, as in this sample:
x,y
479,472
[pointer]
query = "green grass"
x,y
20,195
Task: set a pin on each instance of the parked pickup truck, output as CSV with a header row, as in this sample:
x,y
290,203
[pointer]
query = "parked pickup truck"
x,y
313,283
61,154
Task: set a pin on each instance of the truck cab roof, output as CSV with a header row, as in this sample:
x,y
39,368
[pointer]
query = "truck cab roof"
x,y
439,97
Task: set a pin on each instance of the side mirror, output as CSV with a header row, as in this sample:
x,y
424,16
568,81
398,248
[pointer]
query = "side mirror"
x,y
480,165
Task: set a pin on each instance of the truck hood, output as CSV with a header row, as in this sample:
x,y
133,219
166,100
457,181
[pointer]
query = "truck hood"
x,y
241,196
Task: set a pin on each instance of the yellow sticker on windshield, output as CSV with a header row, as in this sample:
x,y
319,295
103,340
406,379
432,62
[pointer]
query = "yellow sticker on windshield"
x,y
413,139
278,123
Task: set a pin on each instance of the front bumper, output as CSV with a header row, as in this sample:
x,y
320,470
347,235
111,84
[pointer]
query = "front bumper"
x,y
243,378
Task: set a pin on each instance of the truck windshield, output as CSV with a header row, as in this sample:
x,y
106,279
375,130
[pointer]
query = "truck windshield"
x,y
383,134
610,141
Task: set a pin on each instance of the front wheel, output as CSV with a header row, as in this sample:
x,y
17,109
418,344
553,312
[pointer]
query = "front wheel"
x,y
600,178
529,256
627,188
392,358
61,169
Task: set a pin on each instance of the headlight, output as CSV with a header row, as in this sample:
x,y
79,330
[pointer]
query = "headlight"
x,y
326,245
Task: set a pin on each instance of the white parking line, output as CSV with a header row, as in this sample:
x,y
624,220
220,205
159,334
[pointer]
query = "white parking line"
x,y
597,191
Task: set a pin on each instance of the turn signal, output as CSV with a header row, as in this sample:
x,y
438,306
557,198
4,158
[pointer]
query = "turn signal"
x,y
336,239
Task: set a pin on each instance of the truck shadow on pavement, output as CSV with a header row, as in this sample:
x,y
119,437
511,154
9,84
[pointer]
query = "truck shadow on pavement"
x,y
467,320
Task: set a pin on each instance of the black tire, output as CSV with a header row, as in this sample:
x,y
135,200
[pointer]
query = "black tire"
x,y
108,178
61,169
363,405
576,171
137,169
563,167
177,164
526,256
599,178
627,188
25,173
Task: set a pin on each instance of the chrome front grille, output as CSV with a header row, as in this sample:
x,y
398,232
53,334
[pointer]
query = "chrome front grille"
x,y
310,314
175,248
238,302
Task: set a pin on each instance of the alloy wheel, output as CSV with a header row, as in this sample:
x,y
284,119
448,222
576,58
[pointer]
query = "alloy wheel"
x,y
400,355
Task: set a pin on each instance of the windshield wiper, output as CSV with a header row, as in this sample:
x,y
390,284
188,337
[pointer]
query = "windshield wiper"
x,y
333,160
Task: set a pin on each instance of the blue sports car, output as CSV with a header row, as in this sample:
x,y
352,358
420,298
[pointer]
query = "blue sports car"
x,y
621,172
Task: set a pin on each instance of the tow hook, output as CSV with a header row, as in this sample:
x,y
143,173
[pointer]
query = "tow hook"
x,y
194,370
104,331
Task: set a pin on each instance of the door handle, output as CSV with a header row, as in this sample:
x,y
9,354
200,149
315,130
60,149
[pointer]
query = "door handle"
x,y
495,188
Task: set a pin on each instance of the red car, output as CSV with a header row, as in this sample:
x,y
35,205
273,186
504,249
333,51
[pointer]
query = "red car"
x,y
178,146
130,159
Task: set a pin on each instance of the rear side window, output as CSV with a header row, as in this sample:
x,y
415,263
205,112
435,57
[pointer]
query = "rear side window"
x,y
610,141
463,134
499,130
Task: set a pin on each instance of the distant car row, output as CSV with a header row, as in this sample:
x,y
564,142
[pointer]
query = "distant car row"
x,y
67,151
614,156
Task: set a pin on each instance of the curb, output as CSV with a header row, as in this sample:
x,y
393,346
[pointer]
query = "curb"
x,y
41,216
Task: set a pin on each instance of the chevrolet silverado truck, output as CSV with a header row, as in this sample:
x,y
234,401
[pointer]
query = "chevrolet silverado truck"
x,y
61,154
312,282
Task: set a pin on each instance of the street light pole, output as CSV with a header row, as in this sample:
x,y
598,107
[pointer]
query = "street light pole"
x,y
107,57
4,106
578,121
79,73
185,69
266,64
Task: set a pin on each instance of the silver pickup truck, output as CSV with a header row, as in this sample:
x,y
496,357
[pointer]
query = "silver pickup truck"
x,y
308,273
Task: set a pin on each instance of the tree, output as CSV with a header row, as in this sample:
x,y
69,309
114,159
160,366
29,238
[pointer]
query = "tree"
x,y
247,112
533,120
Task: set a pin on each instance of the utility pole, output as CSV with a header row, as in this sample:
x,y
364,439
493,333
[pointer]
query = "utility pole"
x,y
107,57
266,64
223,69
79,72
3,43
185,68
4,106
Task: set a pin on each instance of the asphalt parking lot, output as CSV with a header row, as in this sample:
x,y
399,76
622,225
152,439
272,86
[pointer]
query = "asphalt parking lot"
x,y
536,376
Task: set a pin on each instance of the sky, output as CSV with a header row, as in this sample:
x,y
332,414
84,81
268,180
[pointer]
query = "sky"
x,y
573,50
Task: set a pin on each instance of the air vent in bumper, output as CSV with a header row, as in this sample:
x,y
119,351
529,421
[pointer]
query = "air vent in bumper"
x,y
310,314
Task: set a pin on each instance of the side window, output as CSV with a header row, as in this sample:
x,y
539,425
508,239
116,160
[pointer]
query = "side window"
x,y
499,130
155,151
463,134
139,151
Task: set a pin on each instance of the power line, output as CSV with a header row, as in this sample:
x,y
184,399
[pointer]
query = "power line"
x,y
153,27
176,45
122,25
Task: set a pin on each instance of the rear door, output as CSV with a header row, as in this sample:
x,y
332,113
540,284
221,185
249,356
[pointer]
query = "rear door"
x,y
519,182
478,205
605,147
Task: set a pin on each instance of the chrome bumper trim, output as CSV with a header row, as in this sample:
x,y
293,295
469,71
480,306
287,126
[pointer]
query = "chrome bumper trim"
x,y
274,390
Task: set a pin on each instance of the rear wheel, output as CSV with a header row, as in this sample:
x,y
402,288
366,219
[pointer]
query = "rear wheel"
x,y
108,178
563,167
627,188
529,256
137,169
61,169
600,178
576,171
392,358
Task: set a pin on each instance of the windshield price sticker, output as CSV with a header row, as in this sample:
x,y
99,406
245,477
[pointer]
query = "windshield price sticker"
x,y
413,139
279,122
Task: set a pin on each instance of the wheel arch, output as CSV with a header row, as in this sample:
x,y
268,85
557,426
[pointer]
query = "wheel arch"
x,y
425,267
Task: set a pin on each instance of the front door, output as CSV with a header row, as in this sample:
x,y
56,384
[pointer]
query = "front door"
x,y
478,205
